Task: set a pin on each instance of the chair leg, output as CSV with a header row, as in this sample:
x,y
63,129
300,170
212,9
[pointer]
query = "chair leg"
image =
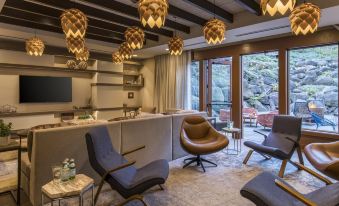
x,y
161,188
300,155
247,156
212,163
190,162
266,157
135,197
282,168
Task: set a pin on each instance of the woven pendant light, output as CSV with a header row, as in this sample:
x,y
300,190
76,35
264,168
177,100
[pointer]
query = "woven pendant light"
x,y
125,51
214,31
305,19
135,37
35,46
82,56
74,23
116,58
153,12
272,7
176,45
75,45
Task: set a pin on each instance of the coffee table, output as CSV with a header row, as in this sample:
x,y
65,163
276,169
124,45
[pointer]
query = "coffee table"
x,y
58,191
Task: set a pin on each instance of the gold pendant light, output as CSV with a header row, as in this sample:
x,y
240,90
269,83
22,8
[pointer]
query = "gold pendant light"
x,y
74,23
82,56
153,12
214,31
176,45
125,51
35,46
75,45
135,37
305,19
272,7
116,58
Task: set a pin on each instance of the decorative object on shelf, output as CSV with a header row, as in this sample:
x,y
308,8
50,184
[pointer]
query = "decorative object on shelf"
x,y
7,109
214,31
74,23
272,7
75,45
35,46
116,58
135,37
153,12
305,19
5,132
71,64
176,45
130,95
82,65
125,51
82,56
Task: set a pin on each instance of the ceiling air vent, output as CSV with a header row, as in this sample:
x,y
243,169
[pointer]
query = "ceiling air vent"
x,y
262,30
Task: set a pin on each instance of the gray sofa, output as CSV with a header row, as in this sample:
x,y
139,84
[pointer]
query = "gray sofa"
x,y
159,134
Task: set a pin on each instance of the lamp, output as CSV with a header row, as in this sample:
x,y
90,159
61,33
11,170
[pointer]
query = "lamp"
x,y
305,19
125,51
82,56
214,31
135,37
153,12
116,58
176,45
272,7
74,23
35,46
75,45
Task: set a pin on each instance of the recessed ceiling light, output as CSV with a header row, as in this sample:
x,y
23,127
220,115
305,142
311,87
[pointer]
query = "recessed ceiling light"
x,y
135,55
167,49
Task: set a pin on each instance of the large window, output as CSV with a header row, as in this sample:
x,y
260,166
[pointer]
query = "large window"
x,y
313,86
195,85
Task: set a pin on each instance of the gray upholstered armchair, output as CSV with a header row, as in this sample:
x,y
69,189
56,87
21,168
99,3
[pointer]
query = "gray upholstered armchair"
x,y
119,173
281,142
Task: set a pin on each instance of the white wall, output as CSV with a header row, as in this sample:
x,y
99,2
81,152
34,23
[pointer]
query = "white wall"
x,y
147,93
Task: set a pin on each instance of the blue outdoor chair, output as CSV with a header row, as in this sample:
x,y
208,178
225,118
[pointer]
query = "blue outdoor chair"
x,y
320,121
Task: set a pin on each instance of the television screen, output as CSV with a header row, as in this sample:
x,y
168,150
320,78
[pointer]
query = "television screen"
x,y
35,89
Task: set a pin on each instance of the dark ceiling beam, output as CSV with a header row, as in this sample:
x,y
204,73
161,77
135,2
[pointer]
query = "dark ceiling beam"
x,y
104,15
175,11
251,6
45,27
51,12
212,9
23,15
14,45
133,12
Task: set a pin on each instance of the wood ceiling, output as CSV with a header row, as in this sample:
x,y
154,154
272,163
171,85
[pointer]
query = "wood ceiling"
x,y
108,19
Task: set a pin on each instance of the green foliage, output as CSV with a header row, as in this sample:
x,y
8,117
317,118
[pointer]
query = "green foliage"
x,y
5,129
85,116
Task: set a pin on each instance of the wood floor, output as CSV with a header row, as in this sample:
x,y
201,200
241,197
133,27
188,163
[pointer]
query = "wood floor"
x,y
7,200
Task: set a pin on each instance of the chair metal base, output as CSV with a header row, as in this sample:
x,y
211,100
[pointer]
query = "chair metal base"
x,y
199,162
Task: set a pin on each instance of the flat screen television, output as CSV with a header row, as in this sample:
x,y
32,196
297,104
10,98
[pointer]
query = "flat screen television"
x,y
42,89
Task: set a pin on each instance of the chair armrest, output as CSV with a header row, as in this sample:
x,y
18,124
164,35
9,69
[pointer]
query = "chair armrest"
x,y
294,193
260,133
133,150
292,140
102,181
313,173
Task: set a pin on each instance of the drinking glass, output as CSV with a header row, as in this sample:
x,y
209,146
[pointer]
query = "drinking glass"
x,y
230,124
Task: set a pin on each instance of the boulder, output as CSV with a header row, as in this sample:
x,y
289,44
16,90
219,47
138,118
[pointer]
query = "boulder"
x,y
324,80
217,94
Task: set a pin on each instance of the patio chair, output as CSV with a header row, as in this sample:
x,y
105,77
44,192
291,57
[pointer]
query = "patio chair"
x,y
320,121
266,120
225,115
249,113
281,142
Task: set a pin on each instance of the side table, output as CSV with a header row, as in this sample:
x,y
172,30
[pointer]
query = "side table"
x,y
236,136
65,190
12,146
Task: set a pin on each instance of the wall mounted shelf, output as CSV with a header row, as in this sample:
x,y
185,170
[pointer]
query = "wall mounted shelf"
x,y
106,84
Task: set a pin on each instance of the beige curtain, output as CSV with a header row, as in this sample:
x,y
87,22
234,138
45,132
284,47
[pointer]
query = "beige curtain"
x,y
171,81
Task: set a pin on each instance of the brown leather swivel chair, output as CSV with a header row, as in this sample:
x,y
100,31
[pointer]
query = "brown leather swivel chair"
x,y
324,157
198,137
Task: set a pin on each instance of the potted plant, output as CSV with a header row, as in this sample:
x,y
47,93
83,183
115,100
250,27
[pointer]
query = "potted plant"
x,y
5,132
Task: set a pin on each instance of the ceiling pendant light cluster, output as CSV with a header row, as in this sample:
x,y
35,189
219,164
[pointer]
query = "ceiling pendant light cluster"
x,y
272,7
214,31
125,51
153,12
116,58
74,23
176,45
75,45
82,56
305,19
35,46
135,37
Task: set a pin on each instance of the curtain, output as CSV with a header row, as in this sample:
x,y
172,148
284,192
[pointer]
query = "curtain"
x,y
171,81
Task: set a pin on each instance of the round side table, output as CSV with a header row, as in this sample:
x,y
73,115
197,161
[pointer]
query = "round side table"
x,y
236,136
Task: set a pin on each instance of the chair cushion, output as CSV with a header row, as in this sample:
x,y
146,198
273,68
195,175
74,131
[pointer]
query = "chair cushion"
x,y
25,165
272,151
262,191
326,196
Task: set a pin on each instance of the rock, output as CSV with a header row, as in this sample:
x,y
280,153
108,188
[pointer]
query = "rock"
x,y
331,99
274,97
217,94
301,75
247,94
297,91
259,106
324,80
311,62
226,93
